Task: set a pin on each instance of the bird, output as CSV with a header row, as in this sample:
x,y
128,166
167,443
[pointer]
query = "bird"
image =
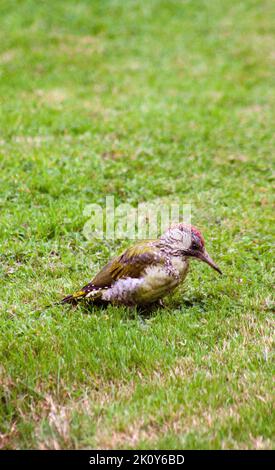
x,y
147,271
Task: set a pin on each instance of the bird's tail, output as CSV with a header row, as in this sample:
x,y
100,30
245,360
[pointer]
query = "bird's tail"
x,y
90,292
73,298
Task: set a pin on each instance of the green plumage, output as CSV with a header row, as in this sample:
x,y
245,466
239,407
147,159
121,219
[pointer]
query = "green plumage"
x,y
130,264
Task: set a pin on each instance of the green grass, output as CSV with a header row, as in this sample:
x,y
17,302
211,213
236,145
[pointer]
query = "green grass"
x,y
141,100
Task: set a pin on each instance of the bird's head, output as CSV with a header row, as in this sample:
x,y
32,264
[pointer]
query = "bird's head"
x,y
187,240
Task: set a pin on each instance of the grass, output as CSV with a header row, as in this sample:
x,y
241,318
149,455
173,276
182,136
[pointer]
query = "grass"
x,y
144,101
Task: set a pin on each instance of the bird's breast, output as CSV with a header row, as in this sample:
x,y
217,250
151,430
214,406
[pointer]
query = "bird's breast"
x,y
180,265
158,281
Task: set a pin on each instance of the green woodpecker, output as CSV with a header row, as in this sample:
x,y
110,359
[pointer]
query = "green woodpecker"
x,y
147,271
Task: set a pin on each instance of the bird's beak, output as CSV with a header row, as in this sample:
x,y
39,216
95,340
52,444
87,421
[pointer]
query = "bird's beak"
x,y
207,259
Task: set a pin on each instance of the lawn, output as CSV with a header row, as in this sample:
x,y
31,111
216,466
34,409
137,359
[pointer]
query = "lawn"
x,y
145,101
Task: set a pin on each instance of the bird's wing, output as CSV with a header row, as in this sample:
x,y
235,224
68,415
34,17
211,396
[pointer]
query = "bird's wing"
x,y
130,264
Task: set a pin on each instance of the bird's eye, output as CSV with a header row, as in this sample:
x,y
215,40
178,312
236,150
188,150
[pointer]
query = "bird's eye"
x,y
196,244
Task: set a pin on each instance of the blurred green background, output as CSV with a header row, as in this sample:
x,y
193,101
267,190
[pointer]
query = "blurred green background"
x,y
143,101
